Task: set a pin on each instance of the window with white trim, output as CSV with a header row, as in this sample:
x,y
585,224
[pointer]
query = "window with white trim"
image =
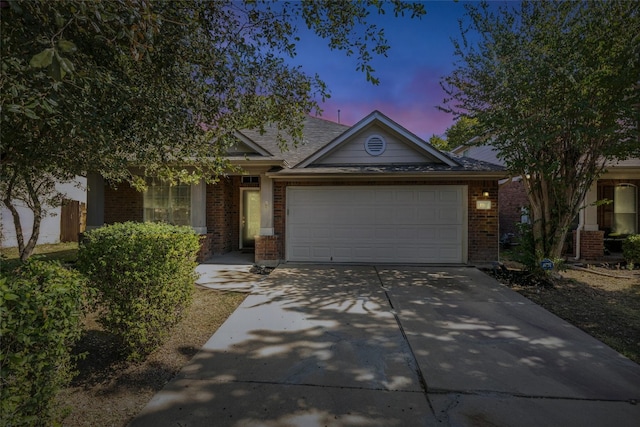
x,y
625,211
167,203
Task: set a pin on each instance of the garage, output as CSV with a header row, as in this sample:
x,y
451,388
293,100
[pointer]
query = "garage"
x,y
391,224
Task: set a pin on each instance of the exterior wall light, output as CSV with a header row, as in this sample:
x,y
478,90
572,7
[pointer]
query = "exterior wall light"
x,y
483,205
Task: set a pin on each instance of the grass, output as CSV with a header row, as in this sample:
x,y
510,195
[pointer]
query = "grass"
x,y
63,252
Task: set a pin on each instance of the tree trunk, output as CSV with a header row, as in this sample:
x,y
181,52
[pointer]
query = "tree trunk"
x,y
36,207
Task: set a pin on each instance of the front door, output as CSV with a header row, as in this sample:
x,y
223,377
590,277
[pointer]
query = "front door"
x,y
250,217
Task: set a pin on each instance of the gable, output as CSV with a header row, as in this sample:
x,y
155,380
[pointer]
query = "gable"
x,y
375,145
377,140
245,146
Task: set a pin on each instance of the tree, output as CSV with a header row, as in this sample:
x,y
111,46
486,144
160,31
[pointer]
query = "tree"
x,y
103,86
553,86
439,143
461,131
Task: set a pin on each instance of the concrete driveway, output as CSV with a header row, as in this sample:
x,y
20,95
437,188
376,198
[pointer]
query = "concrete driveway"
x,y
396,346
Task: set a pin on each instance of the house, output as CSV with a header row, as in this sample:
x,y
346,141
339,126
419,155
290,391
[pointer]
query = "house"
x,y
371,192
59,223
602,225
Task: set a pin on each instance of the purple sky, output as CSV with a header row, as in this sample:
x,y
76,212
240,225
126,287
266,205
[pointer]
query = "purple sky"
x,y
409,90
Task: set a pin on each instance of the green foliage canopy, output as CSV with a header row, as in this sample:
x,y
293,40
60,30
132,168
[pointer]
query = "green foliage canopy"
x,y
554,86
101,86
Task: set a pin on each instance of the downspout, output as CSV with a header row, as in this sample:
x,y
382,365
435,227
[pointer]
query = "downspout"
x,y
579,230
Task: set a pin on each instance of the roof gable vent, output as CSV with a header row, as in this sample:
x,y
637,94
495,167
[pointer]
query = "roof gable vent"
x,y
375,145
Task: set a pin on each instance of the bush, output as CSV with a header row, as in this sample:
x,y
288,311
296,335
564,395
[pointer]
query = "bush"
x,y
631,249
41,305
144,274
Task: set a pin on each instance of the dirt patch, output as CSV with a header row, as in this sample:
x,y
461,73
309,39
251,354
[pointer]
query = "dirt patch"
x,y
110,392
602,300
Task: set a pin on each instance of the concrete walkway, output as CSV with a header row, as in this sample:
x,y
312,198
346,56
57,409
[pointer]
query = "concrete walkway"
x,y
405,346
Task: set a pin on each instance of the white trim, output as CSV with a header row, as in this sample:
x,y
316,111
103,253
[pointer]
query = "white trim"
x,y
380,118
251,144
242,191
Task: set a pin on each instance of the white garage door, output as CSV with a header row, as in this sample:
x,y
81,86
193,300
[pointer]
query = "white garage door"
x,y
399,224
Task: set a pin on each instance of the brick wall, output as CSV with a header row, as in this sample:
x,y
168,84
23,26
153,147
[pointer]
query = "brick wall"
x,y
122,203
483,241
268,250
513,197
484,229
591,245
221,211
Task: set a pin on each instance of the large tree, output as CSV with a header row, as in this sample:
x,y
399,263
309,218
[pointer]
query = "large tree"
x,y
553,86
100,86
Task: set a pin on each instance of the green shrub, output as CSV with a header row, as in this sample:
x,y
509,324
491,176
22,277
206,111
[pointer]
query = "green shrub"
x,y
41,306
144,274
631,249
525,253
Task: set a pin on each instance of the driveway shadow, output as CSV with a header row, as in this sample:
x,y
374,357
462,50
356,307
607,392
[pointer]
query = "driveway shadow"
x,y
311,345
360,345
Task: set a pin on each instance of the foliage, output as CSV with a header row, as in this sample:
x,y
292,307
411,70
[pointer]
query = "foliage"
x,y
631,249
103,86
41,308
144,274
439,143
554,88
461,132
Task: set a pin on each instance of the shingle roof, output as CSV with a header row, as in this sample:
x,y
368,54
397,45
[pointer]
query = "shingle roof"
x,y
318,133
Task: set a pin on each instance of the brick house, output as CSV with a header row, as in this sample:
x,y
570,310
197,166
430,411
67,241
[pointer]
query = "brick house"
x,y
372,192
601,227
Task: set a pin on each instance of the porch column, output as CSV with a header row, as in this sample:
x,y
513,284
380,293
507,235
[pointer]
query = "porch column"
x,y
266,206
199,207
95,201
591,211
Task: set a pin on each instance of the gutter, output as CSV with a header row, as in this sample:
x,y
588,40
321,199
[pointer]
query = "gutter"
x,y
387,176
579,229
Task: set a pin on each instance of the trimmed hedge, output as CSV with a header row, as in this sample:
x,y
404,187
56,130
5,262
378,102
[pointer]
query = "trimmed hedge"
x,y
144,274
631,249
41,305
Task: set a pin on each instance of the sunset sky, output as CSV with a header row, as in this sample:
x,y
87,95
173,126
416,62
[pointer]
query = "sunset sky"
x,y
409,90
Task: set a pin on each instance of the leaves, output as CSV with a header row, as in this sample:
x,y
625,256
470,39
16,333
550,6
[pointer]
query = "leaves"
x,y
67,46
42,59
112,84
553,86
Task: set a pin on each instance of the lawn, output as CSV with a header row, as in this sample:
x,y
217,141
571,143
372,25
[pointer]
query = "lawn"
x,y
63,252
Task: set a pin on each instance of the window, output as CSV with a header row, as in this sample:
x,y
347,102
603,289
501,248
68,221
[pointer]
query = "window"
x,y
625,214
167,203
250,179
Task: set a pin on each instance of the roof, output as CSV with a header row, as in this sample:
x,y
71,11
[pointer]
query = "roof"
x,y
321,138
316,134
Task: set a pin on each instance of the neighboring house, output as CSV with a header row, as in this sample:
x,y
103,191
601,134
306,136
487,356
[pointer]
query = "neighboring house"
x,y
602,226
372,192
60,223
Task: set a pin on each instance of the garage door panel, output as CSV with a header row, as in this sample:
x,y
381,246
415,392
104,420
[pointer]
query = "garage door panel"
x,y
414,224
